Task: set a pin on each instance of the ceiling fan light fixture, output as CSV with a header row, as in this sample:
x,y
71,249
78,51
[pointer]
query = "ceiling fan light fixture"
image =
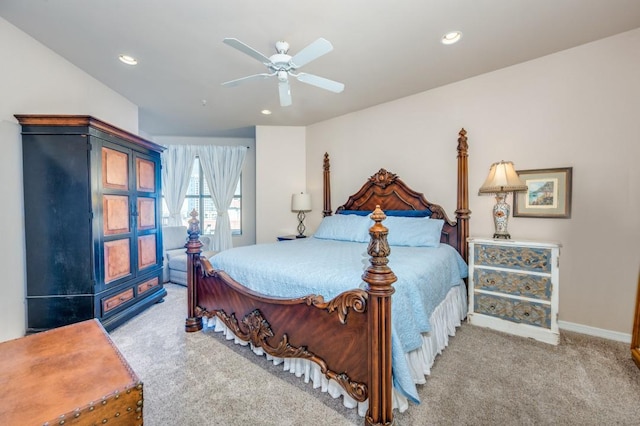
x,y
283,75
451,37
281,65
129,60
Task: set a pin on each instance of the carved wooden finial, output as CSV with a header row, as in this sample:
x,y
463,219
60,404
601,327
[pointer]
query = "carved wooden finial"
x,y
462,141
379,274
194,223
193,245
326,164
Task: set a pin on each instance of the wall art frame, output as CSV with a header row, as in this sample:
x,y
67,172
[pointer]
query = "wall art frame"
x,y
548,194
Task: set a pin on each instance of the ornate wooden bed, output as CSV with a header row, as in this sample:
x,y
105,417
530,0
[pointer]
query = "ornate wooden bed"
x,y
349,337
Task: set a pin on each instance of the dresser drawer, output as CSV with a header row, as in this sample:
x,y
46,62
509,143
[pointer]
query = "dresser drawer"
x,y
148,285
516,257
514,283
514,310
113,302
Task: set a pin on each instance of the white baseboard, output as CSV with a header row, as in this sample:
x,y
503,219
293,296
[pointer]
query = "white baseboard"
x,y
593,331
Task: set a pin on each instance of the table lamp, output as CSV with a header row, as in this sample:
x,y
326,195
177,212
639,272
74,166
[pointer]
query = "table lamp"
x,y
501,180
301,203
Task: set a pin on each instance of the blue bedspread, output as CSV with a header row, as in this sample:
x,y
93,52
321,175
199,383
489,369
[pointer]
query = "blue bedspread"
x,y
329,267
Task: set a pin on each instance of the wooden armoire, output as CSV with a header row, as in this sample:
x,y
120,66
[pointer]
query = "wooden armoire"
x,y
92,201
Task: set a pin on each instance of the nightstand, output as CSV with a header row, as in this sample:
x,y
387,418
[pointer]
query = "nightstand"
x,y
513,287
287,237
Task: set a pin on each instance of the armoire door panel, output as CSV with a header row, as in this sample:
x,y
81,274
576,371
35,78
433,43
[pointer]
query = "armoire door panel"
x,y
147,251
115,169
145,175
117,259
115,210
146,213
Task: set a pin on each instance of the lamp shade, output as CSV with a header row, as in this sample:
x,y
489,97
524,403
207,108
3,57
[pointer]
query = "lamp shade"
x,y
301,202
502,178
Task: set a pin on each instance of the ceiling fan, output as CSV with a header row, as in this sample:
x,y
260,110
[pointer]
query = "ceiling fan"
x,y
282,65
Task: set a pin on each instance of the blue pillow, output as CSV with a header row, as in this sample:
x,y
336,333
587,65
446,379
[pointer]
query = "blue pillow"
x,y
355,212
344,228
408,213
414,231
403,213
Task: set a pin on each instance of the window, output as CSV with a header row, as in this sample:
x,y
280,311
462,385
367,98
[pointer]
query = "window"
x,y
199,198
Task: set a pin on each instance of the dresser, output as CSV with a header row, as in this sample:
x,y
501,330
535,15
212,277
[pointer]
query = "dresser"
x,y
513,287
92,201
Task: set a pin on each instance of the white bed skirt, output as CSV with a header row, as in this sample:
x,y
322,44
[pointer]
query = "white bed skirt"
x,y
445,318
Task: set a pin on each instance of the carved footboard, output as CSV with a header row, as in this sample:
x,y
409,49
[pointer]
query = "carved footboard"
x,y
349,336
332,334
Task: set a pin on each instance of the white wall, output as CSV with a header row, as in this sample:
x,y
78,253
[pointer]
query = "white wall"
x,y
576,108
34,80
280,172
248,178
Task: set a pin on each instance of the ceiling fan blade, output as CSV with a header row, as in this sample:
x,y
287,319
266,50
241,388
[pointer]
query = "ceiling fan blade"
x,y
285,93
237,81
314,50
235,43
321,82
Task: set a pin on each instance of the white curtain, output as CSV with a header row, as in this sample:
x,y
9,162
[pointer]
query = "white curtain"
x,y
177,161
222,166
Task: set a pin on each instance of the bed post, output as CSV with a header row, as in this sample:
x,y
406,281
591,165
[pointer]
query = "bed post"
x,y
194,248
462,212
326,187
379,278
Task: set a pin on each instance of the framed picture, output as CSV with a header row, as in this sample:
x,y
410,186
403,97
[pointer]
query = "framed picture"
x,y
548,194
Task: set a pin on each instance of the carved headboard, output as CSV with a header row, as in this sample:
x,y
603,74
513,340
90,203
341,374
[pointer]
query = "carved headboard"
x,y
388,191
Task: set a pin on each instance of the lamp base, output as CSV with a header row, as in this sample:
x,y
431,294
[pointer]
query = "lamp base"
x,y
301,227
301,236
501,212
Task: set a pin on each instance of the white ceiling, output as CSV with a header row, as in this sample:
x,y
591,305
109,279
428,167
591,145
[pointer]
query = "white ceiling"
x,y
383,50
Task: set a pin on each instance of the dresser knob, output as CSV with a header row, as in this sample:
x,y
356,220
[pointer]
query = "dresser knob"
x,y
526,314
492,307
526,287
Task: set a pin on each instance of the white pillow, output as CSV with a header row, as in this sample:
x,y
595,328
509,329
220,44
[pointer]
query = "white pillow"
x,y
345,227
413,231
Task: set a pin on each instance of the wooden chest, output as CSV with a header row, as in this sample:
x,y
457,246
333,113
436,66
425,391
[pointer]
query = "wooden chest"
x,y
72,375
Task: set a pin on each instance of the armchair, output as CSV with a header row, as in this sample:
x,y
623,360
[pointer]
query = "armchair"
x,y
174,253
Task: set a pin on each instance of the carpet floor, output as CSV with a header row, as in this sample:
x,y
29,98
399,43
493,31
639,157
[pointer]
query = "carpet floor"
x,y
484,377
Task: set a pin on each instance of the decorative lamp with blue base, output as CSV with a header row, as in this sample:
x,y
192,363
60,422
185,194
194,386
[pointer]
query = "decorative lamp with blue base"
x,y
501,180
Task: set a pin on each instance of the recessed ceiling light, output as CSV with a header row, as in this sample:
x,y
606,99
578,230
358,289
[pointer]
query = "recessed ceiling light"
x,y
266,112
451,37
129,60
